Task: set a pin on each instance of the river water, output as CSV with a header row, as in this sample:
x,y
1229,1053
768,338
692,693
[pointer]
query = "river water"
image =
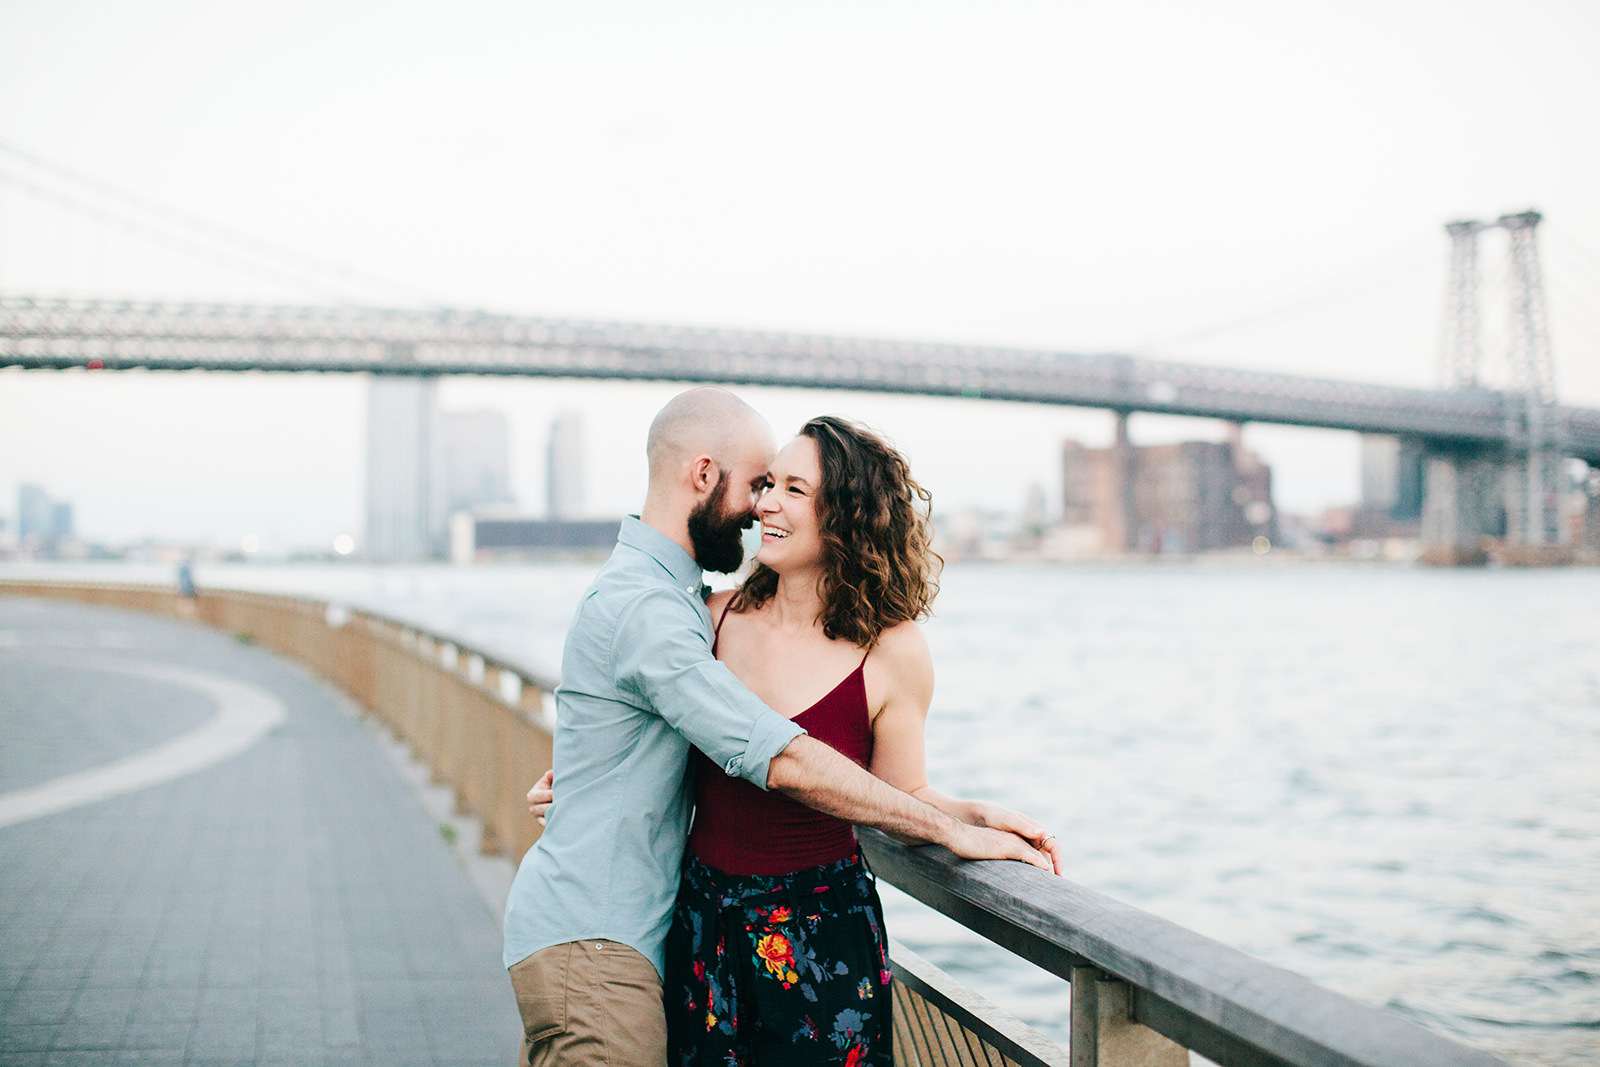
x,y
1386,779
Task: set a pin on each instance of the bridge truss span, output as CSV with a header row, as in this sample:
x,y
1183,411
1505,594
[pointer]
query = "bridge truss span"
x,y
57,333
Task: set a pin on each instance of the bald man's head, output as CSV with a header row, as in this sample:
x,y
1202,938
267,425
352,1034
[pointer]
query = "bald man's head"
x,y
701,422
709,455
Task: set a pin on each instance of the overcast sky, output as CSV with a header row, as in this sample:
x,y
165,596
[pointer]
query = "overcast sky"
x,y
1258,184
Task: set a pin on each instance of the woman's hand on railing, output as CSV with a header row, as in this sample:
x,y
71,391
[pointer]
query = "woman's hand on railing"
x,y
994,816
542,795
987,843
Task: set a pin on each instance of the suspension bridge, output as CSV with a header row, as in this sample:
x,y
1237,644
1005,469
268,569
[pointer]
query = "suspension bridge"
x,y
1493,456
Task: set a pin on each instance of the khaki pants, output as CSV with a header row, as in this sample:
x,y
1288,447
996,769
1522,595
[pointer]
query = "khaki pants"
x,y
590,1002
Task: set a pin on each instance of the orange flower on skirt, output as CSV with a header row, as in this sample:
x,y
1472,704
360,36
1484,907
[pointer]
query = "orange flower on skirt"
x,y
778,954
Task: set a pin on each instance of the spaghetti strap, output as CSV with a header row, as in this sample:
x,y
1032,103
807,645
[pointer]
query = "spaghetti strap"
x,y
716,635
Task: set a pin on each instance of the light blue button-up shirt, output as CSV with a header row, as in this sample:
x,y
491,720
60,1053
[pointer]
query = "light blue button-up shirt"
x,y
639,685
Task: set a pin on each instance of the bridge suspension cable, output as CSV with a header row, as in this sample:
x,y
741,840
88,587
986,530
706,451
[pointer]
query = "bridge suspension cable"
x,y
1579,307
1381,272
1575,310
104,204
1566,242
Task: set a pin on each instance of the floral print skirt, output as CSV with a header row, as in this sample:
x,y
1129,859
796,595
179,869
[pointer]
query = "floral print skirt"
x,y
778,969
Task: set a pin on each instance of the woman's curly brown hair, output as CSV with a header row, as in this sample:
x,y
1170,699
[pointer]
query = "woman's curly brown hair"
x,y
879,567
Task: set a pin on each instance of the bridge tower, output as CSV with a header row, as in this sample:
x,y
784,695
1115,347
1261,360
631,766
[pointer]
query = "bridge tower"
x,y
1534,505
1461,340
1515,495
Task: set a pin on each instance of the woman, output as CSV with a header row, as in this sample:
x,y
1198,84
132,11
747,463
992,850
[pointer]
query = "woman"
x,y
777,951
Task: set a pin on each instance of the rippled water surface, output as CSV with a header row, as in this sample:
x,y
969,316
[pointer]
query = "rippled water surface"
x,y
1384,779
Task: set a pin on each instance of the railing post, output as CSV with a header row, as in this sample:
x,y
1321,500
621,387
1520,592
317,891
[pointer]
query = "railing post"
x,y
1104,1033
1085,1027
493,741
531,701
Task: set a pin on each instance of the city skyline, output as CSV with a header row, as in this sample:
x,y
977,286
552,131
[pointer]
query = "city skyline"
x,y
532,472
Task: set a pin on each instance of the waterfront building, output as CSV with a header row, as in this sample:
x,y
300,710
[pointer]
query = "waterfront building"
x,y
1196,496
480,537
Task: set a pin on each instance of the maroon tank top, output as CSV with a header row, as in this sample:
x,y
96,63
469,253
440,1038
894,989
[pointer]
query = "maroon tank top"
x,y
741,829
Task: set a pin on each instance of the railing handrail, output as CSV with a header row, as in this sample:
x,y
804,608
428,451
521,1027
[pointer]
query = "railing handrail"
x,y
530,675
499,660
1224,1004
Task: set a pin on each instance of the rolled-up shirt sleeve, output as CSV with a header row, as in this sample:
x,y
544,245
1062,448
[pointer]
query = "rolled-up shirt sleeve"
x,y
662,656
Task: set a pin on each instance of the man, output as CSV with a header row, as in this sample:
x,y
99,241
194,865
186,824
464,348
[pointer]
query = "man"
x,y
587,917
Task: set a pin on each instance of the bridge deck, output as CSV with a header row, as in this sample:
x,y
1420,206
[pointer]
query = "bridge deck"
x,y
119,335
291,903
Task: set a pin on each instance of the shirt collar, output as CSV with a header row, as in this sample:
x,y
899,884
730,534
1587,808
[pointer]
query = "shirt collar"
x,y
636,533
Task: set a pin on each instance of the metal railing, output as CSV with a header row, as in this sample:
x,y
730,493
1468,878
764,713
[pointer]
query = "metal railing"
x,y
1143,986
1144,991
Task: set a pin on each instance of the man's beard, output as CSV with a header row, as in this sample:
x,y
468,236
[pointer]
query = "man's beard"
x,y
715,535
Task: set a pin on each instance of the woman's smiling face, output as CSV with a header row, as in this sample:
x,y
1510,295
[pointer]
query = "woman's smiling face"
x,y
791,535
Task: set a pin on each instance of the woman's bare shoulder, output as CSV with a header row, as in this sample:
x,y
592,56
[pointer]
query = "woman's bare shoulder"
x,y
903,650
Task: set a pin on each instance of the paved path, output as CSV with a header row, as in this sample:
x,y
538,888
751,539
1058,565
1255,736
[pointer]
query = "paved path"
x,y
226,867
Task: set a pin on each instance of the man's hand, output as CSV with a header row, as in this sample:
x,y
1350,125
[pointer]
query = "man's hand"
x,y
542,795
998,818
820,777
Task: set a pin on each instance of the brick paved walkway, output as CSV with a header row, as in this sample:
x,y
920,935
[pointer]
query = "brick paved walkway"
x,y
294,903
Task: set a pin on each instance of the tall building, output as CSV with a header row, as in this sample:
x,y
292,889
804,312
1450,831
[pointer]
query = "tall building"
x,y
33,513
1391,476
1189,497
475,460
564,473
61,525
404,505
1087,490
424,465
43,523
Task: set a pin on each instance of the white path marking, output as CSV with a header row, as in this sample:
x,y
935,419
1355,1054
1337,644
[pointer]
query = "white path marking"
x,y
244,714
65,639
